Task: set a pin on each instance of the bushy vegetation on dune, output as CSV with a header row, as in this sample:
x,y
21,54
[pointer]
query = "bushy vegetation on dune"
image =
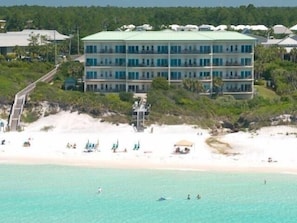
x,y
169,105
15,75
275,70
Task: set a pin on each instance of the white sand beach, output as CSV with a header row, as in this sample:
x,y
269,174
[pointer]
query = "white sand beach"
x,y
270,149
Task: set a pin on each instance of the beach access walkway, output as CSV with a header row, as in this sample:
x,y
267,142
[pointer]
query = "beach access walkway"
x,y
20,99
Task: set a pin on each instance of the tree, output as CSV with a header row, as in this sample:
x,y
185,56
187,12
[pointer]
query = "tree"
x,y
33,47
19,51
217,85
126,96
258,70
281,52
160,83
293,55
285,81
193,85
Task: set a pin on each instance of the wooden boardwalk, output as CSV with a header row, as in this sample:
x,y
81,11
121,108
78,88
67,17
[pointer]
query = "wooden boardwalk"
x,y
20,100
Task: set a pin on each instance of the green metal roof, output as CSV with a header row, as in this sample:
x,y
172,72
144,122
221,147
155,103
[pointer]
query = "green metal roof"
x,y
168,36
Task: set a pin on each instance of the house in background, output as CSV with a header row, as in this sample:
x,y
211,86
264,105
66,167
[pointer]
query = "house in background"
x,y
2,25
294,28
287,43
281,29
9,40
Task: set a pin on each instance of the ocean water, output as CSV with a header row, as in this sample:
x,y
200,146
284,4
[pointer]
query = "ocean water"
x,y
47,194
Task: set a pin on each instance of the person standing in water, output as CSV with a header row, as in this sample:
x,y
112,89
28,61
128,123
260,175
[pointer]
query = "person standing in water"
x,y
99,190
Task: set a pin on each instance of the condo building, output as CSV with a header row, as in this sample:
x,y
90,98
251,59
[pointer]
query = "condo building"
x,y
129,61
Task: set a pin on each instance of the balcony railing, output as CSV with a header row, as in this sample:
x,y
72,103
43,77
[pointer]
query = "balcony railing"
x,y
233,63
234,89
237,77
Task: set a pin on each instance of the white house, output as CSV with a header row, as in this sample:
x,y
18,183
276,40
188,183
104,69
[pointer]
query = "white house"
x,y
9,40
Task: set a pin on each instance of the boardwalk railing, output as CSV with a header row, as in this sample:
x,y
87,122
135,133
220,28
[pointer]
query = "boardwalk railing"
x,y
20,99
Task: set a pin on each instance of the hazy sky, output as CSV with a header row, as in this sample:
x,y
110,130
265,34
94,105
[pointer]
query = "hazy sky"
x,y
152,3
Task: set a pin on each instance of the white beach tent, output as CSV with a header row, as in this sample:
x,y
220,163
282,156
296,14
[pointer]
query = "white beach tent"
x,y
184,143
183,146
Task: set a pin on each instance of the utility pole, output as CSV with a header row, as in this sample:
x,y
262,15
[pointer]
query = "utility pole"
x,y
77,40
70,39
55,47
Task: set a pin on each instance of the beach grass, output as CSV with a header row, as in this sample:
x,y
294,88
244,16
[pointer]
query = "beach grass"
x,y
47,128
220,147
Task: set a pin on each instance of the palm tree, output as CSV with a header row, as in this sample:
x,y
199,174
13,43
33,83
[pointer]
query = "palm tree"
x,y
187,84
293,55
19,51
33,46
259,69
193,85
282,51
217,85
198,86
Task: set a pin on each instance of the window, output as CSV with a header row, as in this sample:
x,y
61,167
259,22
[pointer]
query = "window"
x,y
246,48
204,62
91,62
217,61
120,49
205,49
217,49
246,61
162,49
175,75
217,74
91,49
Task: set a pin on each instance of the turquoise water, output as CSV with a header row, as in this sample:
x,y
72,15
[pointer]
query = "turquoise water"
x,y
69,194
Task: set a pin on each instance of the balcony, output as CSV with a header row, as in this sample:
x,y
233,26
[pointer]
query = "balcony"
x,y
237,90
235,63
106,50
237,77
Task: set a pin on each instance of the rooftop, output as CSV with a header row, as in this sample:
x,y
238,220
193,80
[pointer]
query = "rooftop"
x,y
22,38
168,35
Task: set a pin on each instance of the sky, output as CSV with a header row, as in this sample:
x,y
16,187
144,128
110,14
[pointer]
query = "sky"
x,y
153,3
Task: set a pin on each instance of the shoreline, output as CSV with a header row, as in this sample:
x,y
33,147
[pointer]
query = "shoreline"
x,y
147,165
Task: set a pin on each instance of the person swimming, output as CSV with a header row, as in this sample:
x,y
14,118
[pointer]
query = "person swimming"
x,y
189,198
161,199
99,190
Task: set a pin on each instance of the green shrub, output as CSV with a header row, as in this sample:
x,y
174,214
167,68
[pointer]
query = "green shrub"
x,y
126,96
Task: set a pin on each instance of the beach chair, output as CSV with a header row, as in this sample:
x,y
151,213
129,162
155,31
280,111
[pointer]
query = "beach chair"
x,y
136,146
96,147
115,145
89,147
